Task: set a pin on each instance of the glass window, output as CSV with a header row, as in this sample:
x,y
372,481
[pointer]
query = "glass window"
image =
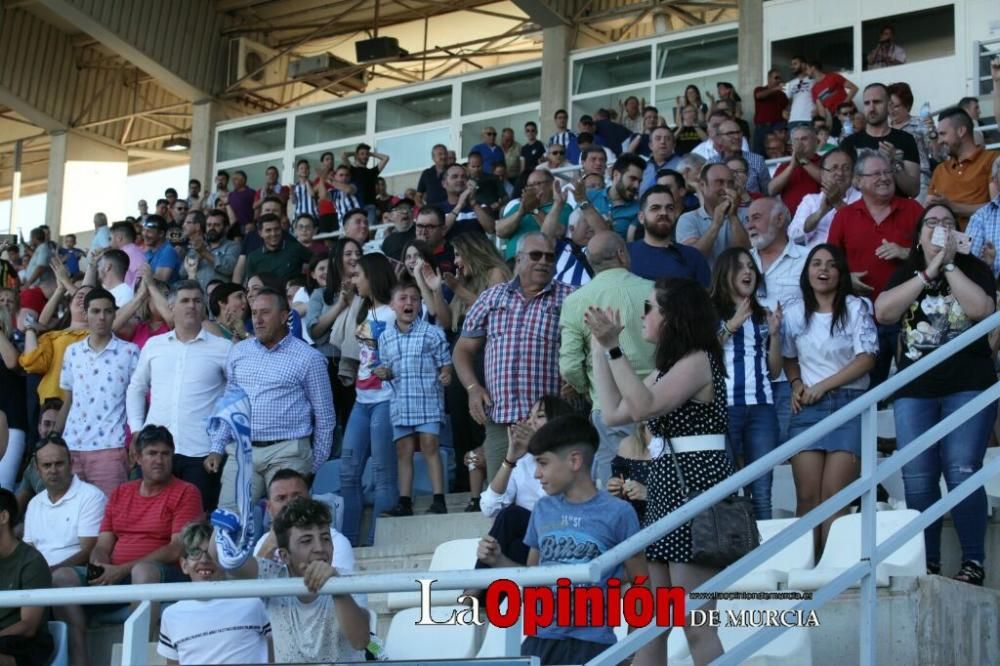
x,y
987,51
255,172
921,35
667,93
411,152
251,140
613,102
330,125
314,156
472,133
692,56
611,70
833,48
501,91
416,108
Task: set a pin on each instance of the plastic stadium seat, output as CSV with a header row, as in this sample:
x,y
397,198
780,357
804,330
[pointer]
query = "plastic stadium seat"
x,y
843,550
60,655
493,640
421,479
783,500
456,555
327,479
797,555
409,641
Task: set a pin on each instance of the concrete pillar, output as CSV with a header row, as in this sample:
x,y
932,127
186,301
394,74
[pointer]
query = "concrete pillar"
x,y
204,115
556,43
750,52
86,176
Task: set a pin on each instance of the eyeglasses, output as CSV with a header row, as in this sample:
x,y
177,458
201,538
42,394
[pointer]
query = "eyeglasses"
x,y
196,554
490,133
538,255
935,222
427,226
880,174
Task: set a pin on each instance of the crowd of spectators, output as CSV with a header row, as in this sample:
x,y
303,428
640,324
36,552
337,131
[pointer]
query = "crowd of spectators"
x,y
653,276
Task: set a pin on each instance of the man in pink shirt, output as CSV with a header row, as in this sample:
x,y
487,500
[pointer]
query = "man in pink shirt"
x,y
123,238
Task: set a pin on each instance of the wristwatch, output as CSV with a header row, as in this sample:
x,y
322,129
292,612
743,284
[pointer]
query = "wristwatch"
x,y
948,268
614,353
583,205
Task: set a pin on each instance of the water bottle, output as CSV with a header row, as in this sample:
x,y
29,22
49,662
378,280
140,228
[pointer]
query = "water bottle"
x,y
925,111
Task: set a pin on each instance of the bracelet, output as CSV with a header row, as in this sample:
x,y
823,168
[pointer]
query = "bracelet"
x,y
792,381
470,386
510,464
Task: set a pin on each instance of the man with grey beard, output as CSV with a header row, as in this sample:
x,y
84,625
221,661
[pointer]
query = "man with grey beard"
x,y
781,263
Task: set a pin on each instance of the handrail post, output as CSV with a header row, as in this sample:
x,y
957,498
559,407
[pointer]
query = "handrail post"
x,y
868,616
135,637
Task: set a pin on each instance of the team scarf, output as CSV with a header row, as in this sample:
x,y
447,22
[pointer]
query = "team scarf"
x,y
234,533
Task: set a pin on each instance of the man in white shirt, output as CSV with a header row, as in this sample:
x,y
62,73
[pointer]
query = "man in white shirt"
x,y
781,263
286,485
799,92
109,271
64,521
211,631
184,371
813,217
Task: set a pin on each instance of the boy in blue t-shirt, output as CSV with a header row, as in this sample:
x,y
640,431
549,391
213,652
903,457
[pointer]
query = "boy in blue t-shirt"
x,y
574,523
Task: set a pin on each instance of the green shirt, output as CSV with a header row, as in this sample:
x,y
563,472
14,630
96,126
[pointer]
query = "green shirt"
x,y
615,288
286,262
530,223
24,569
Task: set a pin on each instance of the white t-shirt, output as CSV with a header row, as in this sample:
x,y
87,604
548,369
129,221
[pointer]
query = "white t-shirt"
x,y
122,293
523,489
799,91
370,389
55,529
302,296
304,632
822,354
218,631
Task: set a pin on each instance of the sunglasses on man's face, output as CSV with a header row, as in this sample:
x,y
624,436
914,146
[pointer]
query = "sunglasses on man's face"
x,y
537,255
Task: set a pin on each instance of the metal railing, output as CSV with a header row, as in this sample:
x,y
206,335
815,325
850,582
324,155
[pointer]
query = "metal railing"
x,y
592,572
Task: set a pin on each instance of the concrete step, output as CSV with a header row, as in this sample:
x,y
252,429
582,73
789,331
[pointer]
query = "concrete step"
x,y
421,533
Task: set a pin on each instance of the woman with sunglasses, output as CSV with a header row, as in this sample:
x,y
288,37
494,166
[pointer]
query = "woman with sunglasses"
x,y
684,402
751,347
829,343
935,296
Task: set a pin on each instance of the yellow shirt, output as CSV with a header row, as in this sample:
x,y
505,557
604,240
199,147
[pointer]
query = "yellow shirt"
x,y
47,358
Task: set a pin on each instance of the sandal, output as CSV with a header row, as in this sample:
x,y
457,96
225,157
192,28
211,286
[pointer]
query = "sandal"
x,y
971,573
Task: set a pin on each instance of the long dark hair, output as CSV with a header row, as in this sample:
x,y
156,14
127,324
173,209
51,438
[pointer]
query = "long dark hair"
x,y
381,279
335,270
844,287
690,323
723,297
554,406
968,263
425,253
311,283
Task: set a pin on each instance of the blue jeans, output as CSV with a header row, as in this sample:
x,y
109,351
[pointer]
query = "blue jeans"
x,y
753,433
610,438
782,392
368,435
958,456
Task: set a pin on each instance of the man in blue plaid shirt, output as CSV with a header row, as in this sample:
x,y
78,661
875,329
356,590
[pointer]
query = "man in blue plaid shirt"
x,y
290,401
417,364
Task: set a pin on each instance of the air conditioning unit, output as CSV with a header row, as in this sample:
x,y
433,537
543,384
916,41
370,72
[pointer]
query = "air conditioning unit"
x,y
327,71
247,60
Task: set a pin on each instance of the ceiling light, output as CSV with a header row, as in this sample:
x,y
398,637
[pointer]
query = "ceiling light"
x,y
177,144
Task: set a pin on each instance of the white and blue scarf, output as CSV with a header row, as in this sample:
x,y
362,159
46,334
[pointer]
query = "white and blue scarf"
x,y
234,533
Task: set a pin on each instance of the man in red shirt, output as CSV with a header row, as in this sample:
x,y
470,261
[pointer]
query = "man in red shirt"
x,y
875,233
769,104
830,90
139,541
801,175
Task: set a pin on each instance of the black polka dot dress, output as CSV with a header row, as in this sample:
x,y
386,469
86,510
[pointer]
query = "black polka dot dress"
x,y
702,469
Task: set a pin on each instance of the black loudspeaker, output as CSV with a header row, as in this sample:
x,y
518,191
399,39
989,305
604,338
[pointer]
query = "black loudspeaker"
x,y
378,48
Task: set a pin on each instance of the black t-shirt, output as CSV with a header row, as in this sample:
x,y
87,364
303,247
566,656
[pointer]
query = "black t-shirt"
x,y
252,241
900,139
364,178
430,186
392,246
13,396
532,154
687,140
934,319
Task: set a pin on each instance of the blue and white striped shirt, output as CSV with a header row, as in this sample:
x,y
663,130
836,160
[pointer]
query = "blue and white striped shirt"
x,y
745,355
569,269
343,202
305,202
984,227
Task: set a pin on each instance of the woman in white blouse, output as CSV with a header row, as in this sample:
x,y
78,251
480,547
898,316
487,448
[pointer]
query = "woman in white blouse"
x,y
829,342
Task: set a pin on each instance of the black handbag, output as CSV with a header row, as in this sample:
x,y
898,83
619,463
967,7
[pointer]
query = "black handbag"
x,y
723,533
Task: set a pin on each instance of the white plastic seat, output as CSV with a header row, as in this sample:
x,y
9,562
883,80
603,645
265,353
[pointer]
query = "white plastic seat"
x,y
843,550
60,641
493,639
456,555
783,499
408,640
797,555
